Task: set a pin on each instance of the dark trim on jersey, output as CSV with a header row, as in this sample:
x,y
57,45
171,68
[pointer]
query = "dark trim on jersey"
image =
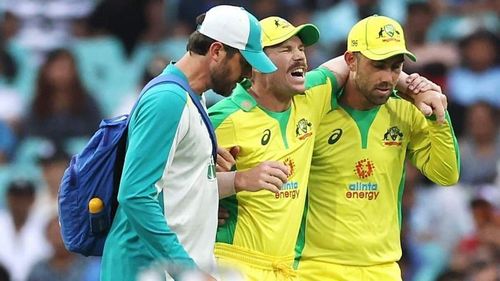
x,y
225,233
455,141
400,197
301,237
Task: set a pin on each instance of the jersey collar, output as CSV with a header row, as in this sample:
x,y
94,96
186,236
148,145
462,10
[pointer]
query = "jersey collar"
x,y
242,98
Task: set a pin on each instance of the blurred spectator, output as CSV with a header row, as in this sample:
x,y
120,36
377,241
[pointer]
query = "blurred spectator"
x,y
20,70
11,106
479,76
4,274
62,265
101,59
480,146
153,69
457,18
477,254
265,8
53,162
335,22
158,39
61,108
439,220
45,25
7,143
22,240
420,16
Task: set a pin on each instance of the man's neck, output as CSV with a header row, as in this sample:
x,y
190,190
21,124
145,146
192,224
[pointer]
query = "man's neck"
x,y
269,99
195,68
351,97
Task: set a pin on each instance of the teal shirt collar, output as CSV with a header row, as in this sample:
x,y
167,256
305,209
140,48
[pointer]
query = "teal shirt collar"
x,y
171,68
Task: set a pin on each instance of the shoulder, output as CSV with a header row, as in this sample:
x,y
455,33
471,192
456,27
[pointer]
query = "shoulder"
x,y
318,77
164,96
222,111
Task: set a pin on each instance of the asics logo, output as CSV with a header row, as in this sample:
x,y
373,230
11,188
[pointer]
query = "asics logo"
x,y
335,136
265,137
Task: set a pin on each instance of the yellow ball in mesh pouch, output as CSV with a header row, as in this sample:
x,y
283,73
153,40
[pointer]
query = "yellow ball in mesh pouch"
x,y
95,205
98,220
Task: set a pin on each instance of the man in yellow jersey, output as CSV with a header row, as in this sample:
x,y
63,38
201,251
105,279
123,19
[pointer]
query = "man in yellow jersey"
x,y
353,220
274,117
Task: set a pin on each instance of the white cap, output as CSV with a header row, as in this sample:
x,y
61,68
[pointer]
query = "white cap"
x,y
237,28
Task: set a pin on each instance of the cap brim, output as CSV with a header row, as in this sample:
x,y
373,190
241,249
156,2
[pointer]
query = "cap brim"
x,y
308,33
386,53
259,61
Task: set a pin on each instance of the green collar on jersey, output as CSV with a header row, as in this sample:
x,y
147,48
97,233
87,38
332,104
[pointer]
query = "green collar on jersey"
x,y
242,98
336,97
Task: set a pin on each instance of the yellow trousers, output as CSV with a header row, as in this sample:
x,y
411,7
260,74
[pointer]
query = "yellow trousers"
x,y
320,271
254,266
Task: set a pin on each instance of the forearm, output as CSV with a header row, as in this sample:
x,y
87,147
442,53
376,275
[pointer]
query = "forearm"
x,y
440,161
226,185
402,87
339,68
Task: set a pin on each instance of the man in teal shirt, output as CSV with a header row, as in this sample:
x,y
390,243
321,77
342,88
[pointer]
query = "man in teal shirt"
x,y
168,197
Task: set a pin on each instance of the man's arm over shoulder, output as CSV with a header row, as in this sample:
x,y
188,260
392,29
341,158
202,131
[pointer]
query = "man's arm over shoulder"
x,y
434,150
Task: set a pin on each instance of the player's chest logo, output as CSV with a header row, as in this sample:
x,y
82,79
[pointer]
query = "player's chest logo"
x,y
393,137
303,129
266,136
335,136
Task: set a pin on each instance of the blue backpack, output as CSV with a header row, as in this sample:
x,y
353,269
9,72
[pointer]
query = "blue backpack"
x,y
89,186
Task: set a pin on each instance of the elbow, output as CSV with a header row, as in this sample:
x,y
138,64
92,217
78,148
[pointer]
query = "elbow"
x,y
126,202
449,180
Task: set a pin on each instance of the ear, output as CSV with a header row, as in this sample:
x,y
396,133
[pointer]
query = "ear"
x,y
351,61
216,51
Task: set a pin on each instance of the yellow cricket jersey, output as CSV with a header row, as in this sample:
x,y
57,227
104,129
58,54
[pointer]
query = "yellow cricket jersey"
x,y
357,178
263,221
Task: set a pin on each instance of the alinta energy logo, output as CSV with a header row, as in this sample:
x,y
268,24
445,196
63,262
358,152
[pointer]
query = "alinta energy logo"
x,y
393,137
364,169
303,129
291,165
290,189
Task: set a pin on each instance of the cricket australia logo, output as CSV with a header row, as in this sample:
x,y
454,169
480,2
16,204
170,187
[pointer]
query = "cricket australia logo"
x,y
389,33
281,23
393,137
303,129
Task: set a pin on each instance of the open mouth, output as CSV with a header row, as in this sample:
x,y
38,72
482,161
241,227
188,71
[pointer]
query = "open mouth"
x,y
298,72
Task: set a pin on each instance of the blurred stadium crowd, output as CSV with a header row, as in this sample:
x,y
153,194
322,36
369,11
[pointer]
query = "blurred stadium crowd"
x,y
65,64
